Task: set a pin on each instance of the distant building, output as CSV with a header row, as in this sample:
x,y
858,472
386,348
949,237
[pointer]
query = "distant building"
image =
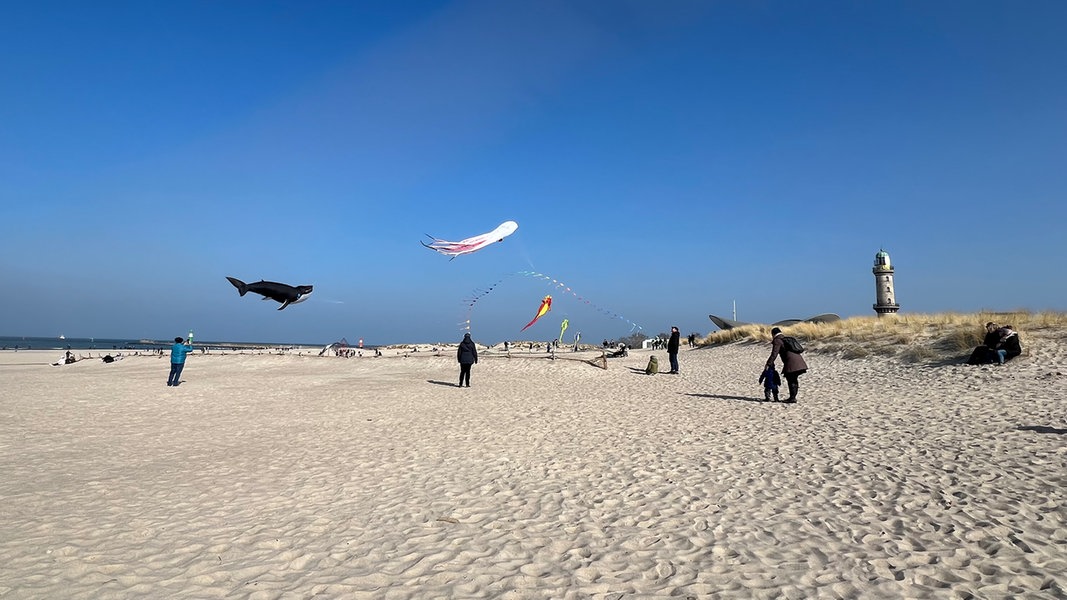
x,y
883,285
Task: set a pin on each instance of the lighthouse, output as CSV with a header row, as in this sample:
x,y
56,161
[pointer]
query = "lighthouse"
x,y
883,285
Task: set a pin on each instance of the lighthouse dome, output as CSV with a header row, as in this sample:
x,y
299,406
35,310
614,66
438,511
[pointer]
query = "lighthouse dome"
x,y
881,261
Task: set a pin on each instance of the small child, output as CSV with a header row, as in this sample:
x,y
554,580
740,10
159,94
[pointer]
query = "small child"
x,y
770,380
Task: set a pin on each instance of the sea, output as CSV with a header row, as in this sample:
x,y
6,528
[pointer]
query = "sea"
x,y
11,342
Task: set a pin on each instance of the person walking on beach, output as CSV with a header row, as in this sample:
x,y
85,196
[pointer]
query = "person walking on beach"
x,y
672,349
770,380
793,364
177,360
467,355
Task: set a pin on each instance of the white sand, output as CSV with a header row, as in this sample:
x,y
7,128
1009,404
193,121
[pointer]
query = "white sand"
x,y
284,476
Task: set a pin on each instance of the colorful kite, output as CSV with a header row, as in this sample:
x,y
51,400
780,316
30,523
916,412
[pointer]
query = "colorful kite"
x,y
559,286
472,244
546,305
562,328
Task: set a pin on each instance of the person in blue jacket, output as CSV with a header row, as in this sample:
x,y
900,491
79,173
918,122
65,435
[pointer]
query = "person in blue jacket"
x,y
177,360
770,380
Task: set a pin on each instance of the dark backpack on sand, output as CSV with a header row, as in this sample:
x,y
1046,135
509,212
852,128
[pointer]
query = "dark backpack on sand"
x,y
653,366
792,344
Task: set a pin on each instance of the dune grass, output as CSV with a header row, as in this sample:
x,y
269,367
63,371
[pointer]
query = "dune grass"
x,y
908,337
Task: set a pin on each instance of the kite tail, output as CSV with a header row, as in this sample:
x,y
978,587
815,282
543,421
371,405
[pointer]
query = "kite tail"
x,y
242,288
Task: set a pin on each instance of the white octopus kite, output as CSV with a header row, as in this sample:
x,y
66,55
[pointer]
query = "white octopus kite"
x,y
472,244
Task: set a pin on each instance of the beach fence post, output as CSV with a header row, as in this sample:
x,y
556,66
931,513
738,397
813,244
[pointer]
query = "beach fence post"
x,y
601,362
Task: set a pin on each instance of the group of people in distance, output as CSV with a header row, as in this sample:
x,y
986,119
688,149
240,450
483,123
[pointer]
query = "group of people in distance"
x,y
1000,344
793,364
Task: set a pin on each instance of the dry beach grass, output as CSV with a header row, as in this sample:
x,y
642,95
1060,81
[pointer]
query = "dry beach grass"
x,y
915,338
297,476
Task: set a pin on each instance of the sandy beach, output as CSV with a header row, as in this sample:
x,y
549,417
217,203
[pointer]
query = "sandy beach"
x,y
298,476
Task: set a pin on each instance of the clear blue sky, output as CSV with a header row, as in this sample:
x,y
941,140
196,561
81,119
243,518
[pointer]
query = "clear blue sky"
x,y
664,159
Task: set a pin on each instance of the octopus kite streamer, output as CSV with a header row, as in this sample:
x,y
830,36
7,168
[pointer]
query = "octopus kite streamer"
x,y
559,286
473,243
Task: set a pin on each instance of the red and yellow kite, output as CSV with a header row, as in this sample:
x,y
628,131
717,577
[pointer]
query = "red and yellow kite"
x,y
546,305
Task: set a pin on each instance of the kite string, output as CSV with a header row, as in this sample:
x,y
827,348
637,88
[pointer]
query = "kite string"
x,y
519,242
559,284
556,284
478,295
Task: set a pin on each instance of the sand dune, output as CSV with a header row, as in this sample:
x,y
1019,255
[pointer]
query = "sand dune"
x,y
288,476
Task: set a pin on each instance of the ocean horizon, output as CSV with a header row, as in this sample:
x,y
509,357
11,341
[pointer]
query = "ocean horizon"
x,y
25,342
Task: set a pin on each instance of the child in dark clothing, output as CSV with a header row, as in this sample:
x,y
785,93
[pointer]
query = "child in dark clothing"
x,y
770,380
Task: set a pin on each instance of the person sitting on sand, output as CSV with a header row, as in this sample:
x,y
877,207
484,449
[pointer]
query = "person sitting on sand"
x,y
1008,345
66,360
985,353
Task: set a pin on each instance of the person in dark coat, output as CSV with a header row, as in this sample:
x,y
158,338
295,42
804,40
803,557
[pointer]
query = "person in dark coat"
x,y
672,350
467,355
793,364
986,353
992,335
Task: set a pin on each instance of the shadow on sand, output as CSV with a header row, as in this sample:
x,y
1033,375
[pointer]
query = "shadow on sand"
x,y
642,371
759,400
445,383
1042,429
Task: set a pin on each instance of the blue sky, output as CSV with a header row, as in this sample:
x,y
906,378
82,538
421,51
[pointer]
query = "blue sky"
x,y
663,159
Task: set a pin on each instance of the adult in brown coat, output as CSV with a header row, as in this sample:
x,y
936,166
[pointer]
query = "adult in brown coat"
x,y
793,364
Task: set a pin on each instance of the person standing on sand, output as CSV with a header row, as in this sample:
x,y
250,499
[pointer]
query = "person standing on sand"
x,y
177,360
467,355
793,364
672,349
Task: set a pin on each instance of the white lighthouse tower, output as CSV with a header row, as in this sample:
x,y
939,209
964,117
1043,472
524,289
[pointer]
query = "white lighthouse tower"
x,y
883,285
